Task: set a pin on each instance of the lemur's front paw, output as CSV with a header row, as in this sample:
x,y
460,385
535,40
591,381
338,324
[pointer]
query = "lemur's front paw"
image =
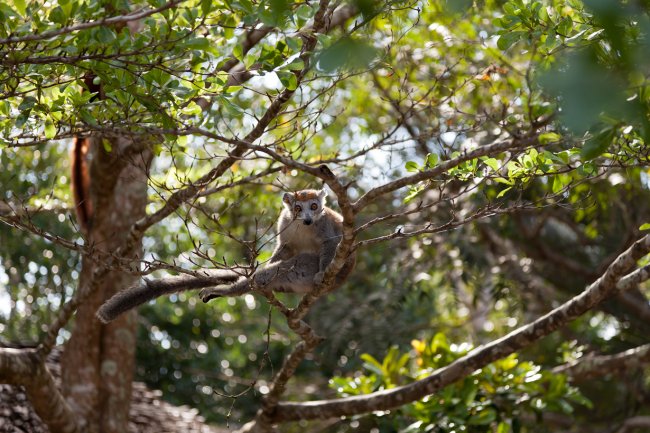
x,y
209,294
318,278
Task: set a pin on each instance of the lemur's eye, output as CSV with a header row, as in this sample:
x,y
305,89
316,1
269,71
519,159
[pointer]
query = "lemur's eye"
x,y
298,208
314,206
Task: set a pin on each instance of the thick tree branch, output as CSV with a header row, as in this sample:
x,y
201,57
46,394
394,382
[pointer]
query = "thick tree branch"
x,y
635,423
591,366
27,367
612,281
294,317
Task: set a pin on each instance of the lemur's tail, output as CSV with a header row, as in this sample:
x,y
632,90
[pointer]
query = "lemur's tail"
x,y
80,176
151,289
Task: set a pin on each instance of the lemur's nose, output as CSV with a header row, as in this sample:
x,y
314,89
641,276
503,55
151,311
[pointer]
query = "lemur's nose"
x,y
307,221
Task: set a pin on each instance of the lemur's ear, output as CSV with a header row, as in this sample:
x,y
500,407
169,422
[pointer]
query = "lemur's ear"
x,y
322,196
287,199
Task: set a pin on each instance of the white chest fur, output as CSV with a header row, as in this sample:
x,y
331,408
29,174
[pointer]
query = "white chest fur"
x,y
302,238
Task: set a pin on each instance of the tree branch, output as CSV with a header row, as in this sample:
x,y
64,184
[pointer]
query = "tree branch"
x,y
27,367
591,366
241,145
612,281
134,16
442,167
634,423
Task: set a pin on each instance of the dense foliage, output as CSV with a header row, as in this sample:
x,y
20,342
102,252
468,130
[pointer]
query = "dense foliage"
x,y
497,395
444,264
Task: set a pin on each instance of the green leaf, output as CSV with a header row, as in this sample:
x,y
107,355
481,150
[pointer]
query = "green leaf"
x,y
288,79
645,227
232,89
431,160
492,163
456,6
486,416
58,16
509,362
469,393
22,118
598,144
347,53
565,406
503,427
558,183
20,6
206,7
296,64
238,52
412,166
504,181
372,364
87,117
279,9
413,192
565,26
50,129
503,192
201,44
578,398
104,35
27,103
506,40
549,137
510,8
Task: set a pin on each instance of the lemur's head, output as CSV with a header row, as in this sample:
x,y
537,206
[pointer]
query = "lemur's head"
x,y
307,205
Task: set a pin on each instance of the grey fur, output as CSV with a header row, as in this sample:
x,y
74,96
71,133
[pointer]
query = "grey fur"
x,y
148,290
306,244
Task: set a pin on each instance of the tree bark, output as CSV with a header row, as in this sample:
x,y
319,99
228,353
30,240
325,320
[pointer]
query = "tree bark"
x,y
98,360
26,367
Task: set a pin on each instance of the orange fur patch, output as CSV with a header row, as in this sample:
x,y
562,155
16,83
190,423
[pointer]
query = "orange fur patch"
x,y
307,194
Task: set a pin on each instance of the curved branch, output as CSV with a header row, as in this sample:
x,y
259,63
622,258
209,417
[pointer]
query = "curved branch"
x,y
612,281
27,367
490,149
594,366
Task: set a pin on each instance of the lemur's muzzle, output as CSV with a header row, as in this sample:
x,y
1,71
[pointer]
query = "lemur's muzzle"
x,y
307,221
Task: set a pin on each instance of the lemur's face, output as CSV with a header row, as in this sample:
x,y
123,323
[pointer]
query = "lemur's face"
x,y
306,205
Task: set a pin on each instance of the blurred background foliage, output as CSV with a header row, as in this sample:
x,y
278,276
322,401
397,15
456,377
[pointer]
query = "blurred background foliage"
x,y
427,79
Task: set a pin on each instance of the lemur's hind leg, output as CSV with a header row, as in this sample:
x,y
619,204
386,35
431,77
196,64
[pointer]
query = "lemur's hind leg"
x,y
294,275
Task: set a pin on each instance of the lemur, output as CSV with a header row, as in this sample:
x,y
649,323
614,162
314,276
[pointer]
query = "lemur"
x,y
307,238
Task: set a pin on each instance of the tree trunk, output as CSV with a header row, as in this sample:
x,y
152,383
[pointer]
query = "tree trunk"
x,y
98,360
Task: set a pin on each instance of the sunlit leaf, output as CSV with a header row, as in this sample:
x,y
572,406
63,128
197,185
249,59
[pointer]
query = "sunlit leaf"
x,y
412,166
50,129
